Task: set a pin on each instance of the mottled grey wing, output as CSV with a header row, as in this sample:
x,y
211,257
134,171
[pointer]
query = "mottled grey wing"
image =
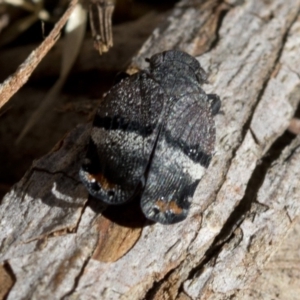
x,y
182,152
122,139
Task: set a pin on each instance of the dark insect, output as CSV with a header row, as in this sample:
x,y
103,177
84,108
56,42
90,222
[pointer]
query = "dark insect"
x,y
153,136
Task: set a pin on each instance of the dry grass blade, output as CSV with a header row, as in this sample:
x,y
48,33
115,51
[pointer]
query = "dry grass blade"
x,y
75,30
100,18
12,84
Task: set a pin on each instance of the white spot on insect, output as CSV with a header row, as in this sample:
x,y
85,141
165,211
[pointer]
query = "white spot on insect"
x,y
187,165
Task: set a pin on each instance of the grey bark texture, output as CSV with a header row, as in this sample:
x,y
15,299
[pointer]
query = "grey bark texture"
x,y
55,243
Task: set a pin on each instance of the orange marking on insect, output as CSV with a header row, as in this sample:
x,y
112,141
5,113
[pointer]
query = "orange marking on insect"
x,y
165,206
102,180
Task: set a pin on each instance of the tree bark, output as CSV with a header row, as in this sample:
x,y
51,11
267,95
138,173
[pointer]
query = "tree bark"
x,y
56,242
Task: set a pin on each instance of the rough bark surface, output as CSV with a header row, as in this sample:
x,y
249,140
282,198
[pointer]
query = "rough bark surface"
x,y
57,243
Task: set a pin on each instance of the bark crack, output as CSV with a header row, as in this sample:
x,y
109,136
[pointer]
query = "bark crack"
x,y
244,207
77,278
224,8
53,173
151,293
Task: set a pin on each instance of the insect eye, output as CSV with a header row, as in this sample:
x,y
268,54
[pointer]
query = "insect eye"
x,y
156,211
96,186
111,194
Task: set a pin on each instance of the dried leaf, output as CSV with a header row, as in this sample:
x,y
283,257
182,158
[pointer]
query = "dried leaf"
x,y
100,19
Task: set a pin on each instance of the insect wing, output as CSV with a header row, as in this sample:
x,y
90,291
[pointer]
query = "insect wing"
x,y
182,154
122,139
